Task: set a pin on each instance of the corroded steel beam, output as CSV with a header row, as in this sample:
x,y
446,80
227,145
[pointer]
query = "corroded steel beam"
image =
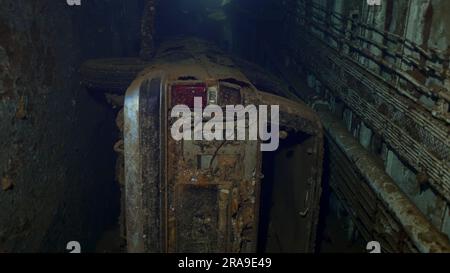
x,y
423,234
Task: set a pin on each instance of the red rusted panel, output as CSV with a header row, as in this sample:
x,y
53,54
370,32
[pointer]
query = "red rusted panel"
x,y
185,94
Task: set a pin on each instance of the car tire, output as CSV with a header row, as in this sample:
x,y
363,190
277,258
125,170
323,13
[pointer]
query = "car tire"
x,y
111,75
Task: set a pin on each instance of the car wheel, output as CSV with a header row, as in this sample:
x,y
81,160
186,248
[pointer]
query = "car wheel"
x,y
111,75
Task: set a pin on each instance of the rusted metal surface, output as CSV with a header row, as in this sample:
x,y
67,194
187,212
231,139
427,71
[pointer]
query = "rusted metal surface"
x,y
380,210
411,66
412,130
208,192
229,180
427,150
143,169
133,207
424,236
369,214
345,32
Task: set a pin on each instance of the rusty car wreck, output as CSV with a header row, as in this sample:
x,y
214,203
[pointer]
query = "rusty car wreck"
x,y
225,126
215,196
